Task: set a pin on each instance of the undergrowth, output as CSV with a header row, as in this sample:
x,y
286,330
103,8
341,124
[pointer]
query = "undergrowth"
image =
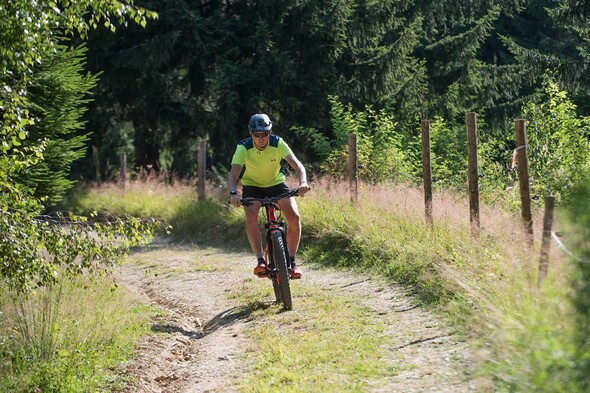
x,y
484,282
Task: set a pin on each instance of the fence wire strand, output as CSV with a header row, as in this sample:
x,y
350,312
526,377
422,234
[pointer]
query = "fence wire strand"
x,y
564,248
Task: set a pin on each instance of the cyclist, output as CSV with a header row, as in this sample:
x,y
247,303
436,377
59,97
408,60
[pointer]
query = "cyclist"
x,y
259,163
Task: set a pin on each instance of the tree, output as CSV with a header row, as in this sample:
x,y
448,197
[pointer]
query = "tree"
x,y
146,85
551,35
57,97
202,69
381,151
465,66
29,32
33,251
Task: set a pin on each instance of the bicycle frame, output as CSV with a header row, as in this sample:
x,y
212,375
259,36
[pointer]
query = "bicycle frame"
x,y
273,224
276,252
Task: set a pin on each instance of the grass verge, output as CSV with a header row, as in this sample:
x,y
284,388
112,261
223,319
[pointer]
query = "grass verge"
x,y
176,204
69,337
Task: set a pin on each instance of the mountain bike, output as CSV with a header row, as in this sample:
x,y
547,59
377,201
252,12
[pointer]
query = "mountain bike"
x,y
276,252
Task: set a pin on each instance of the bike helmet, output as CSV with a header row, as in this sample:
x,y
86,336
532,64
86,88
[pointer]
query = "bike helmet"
x,y
259,123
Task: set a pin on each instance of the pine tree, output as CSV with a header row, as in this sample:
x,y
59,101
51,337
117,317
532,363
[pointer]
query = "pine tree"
x,y
551,37
57,99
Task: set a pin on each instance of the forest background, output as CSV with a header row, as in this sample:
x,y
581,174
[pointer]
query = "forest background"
x,y
201,69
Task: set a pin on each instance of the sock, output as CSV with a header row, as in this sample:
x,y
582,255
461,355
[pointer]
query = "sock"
x,y
261,261
292,258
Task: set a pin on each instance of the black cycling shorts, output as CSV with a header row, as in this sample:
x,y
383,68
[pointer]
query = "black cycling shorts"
x,y
264,192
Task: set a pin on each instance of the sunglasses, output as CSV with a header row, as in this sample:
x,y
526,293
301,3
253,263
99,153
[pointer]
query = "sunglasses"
x,y
261,134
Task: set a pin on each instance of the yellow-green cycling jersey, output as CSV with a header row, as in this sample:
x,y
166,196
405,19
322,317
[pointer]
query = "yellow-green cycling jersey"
x,y
262,168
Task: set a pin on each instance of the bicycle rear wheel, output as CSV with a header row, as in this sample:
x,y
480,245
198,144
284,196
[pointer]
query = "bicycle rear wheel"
x,y
280,259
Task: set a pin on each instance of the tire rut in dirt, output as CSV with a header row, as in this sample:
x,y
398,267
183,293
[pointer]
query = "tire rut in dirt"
x,y
198,342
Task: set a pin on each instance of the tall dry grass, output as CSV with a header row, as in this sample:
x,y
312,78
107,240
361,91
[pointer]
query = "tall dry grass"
x,y
484,284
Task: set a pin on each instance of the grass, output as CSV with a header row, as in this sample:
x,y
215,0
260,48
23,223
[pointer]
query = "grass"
x,y
329,343
532,341
390,238
485,284
69,337
174,203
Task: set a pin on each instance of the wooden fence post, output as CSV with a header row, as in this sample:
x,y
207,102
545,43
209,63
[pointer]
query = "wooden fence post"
x,y
202,167
523,179
123,170
472,172
546,242
426,170
353,168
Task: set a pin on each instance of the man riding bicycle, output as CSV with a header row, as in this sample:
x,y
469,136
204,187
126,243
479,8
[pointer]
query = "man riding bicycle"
x,y
259,163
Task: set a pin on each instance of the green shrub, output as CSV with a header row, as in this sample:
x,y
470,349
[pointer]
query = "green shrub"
x,y
579,235
380,144
558,143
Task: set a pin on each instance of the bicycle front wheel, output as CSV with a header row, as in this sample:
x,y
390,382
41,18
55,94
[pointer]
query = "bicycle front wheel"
x,y
280,258
273,276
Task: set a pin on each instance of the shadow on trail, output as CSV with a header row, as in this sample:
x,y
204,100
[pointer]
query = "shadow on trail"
x,y
228,317
223,319
229,243
168,328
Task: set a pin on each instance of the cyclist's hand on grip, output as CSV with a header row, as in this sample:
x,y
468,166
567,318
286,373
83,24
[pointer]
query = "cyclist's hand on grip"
x,y
234,200
303,189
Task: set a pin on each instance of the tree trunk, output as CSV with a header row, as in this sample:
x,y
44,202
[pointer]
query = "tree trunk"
x,y
147,153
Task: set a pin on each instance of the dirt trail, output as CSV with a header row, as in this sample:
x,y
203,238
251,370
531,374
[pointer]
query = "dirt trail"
x,y
203,348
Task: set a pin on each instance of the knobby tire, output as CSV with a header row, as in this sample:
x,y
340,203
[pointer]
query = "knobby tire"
x,y
273,277
277,288
280,259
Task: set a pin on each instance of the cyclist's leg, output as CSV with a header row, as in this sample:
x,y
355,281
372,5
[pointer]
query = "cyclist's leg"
x,y
291,213
253,230
288,209
255,239
252,227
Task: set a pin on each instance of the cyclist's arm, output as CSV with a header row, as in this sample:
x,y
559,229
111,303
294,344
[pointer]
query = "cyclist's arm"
x,y
234,175
232,184
301,173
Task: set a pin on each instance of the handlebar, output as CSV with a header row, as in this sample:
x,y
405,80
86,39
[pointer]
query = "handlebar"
x,y
269,200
